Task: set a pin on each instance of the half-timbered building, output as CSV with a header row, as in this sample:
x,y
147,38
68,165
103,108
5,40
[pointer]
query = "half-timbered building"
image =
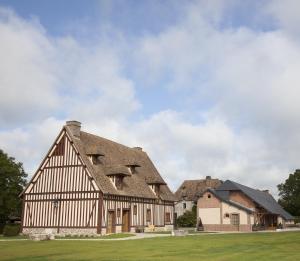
x,y
90,185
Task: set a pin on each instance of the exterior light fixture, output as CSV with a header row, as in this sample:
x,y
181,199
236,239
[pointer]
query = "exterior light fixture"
x,y
55,203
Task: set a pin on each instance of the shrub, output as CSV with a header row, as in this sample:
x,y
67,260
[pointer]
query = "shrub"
x,y
11,230
139,229
1,228
188,219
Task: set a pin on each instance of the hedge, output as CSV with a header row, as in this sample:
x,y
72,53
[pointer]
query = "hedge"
x,y
11,230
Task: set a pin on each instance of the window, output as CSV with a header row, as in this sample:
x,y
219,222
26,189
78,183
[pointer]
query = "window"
x,y
209,196
227,215
148,215
156,190
235,219
95,159
134,210
119,182
184,205
132,169
168,217
60,148
118,212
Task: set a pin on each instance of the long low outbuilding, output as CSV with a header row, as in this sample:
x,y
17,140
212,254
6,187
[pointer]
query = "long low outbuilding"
x,y
235,207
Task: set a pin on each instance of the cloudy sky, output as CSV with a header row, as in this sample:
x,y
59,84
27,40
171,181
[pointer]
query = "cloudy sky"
x,y
205,87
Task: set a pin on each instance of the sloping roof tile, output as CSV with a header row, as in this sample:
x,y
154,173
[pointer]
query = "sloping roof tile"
x,y
262,198
192,189
116,155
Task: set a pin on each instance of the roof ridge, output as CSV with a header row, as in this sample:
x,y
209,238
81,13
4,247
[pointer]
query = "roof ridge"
x,y
186,180
111,141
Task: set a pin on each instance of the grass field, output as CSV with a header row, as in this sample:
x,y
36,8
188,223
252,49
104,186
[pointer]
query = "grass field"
x,y
255,246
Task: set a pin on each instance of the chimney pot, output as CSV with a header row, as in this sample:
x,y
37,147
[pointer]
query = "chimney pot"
x,y
74,127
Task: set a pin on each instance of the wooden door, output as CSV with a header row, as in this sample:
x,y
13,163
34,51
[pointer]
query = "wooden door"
x,y
125,221
111,222
235,221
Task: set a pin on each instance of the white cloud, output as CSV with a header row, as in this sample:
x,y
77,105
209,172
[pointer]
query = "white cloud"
x,y
27,81
29,145
251,80
45,79
286,14
43,76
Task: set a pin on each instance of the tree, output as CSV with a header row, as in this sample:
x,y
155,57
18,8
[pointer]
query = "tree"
x,y
12,182
289,193
188,219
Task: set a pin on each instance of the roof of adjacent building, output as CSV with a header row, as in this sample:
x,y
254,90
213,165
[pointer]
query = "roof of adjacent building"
x,y
225,198
191,189
116,157
262,198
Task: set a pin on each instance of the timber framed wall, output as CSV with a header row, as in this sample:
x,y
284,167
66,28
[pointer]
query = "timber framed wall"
x,y
62,194
138,211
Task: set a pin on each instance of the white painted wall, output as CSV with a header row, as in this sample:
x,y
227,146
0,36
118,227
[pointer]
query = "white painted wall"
x,y
209,215
179,207
231,209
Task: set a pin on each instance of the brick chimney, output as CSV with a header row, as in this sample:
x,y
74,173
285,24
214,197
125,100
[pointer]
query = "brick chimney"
x,y
74,127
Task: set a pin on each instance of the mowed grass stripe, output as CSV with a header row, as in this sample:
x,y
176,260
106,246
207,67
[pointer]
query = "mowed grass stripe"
x,y
255,246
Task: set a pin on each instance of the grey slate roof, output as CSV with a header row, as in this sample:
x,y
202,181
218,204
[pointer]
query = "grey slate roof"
x,y
264,199
225,198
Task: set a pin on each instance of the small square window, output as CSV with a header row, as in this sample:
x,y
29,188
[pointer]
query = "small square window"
x,y
134,210
148,215
168,217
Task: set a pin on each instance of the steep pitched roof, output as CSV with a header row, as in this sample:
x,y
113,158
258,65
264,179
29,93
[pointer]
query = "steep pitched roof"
x,y
225,198
264,199
191,189
117,156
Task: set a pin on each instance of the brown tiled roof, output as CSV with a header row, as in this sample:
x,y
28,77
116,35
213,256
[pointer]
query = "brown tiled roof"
x,y
117,170
191,189
115,156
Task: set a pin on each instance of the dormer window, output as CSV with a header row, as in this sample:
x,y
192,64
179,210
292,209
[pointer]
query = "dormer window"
x,y
116,174
96,159
133,167
119,182
155,188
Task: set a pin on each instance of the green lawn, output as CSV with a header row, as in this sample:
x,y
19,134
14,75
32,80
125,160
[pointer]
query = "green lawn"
x,y
255,246
13,237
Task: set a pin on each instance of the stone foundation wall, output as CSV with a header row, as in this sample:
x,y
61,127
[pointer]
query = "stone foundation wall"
x,y
160,229
62,231
118,229
218,227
